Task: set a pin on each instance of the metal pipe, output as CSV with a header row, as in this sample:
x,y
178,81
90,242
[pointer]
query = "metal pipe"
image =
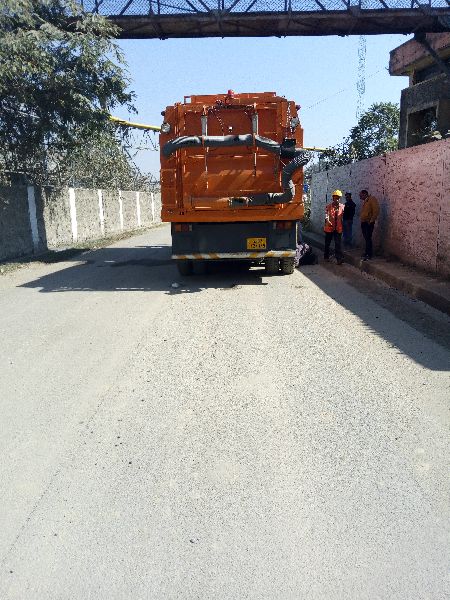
x,y
134,125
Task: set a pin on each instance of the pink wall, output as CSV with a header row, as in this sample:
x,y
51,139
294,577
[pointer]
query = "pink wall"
x,y
443,241
413,188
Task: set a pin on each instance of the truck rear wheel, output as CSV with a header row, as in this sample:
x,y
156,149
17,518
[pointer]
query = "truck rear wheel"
x,y
287,265
271,265
200,267
185,267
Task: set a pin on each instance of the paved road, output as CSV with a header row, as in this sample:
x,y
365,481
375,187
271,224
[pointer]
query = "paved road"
x,y
241,437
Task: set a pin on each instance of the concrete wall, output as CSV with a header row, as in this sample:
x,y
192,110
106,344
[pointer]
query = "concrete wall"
x,y
35,219
111,210
412,54
413,188
434,93
87,215
54,216
443,237
15,228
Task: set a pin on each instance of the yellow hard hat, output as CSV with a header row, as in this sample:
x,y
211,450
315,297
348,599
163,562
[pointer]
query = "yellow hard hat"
x,y
337,193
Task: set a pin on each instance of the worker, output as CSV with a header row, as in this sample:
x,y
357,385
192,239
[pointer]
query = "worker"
x,y
349,213
370,210
333,226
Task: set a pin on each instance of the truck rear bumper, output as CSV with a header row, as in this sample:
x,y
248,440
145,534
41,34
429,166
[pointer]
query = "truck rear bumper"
x,y
235,255
243,240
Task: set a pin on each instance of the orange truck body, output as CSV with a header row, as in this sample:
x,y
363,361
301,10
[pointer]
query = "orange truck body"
x,y
204,184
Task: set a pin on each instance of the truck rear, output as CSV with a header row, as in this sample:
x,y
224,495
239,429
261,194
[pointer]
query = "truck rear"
x,y
232,179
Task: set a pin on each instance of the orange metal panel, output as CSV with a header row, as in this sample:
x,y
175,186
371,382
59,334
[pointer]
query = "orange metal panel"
x,y
198,183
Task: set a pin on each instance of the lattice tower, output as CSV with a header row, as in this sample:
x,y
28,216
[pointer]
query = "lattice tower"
x,y
361,81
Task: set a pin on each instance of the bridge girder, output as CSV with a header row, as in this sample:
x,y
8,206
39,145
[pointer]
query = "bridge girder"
x,y
273,24
162,19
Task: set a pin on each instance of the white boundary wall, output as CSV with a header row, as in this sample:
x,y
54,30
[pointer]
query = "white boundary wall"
x,y
34,219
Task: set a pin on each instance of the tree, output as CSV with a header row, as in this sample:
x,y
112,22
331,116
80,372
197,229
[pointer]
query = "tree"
x,y
375,133
61,74
103,163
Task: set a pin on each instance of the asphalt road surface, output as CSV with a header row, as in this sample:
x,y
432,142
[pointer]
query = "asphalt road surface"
x,y
239,437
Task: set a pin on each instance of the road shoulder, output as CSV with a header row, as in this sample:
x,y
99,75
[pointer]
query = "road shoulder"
x,y
431,290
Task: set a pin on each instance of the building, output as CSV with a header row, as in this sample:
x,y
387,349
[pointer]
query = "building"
x,y
425,104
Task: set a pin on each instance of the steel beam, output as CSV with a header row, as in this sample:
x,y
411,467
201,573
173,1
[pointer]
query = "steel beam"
x,y
323,22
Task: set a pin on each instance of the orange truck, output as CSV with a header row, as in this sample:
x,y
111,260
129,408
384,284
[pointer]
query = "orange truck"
x,y
232,179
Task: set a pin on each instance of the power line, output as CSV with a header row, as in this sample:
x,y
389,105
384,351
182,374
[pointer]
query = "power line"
x,y
339,92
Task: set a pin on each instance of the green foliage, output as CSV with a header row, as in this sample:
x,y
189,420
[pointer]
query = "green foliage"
x,y
103,163
375,133
61,75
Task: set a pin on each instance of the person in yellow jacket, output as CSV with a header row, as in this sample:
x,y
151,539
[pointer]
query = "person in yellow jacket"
x,y
370,210
333,226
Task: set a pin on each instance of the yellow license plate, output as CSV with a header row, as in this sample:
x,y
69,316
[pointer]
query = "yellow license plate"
x,y
256,243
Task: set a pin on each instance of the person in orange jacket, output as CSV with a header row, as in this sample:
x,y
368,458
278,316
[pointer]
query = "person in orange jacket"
x,y
370,210
333,226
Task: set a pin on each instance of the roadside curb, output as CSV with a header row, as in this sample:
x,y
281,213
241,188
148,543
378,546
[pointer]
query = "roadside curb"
x,y
432,291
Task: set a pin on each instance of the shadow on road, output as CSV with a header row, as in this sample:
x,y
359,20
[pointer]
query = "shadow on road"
x,y
150,269
426,323
141,268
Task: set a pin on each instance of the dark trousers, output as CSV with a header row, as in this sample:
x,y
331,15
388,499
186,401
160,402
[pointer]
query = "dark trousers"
x,y
337,244
367,230
347,232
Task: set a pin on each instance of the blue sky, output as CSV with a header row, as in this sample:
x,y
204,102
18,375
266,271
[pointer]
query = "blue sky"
x,y
311,71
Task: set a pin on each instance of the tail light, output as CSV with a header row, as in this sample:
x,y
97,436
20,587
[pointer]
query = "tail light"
x,y
283,224
183,227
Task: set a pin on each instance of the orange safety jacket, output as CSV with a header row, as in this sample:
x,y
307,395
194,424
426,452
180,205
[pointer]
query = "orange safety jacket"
x,y
333,218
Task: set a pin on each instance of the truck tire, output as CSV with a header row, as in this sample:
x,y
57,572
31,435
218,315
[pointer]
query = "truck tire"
x,y
287,265
271,265
185,267
200,267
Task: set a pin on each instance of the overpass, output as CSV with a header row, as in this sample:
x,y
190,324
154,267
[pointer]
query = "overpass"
x,y
164,19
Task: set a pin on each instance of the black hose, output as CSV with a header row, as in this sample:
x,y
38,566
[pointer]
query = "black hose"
x,y
288,171
300,159
216,141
